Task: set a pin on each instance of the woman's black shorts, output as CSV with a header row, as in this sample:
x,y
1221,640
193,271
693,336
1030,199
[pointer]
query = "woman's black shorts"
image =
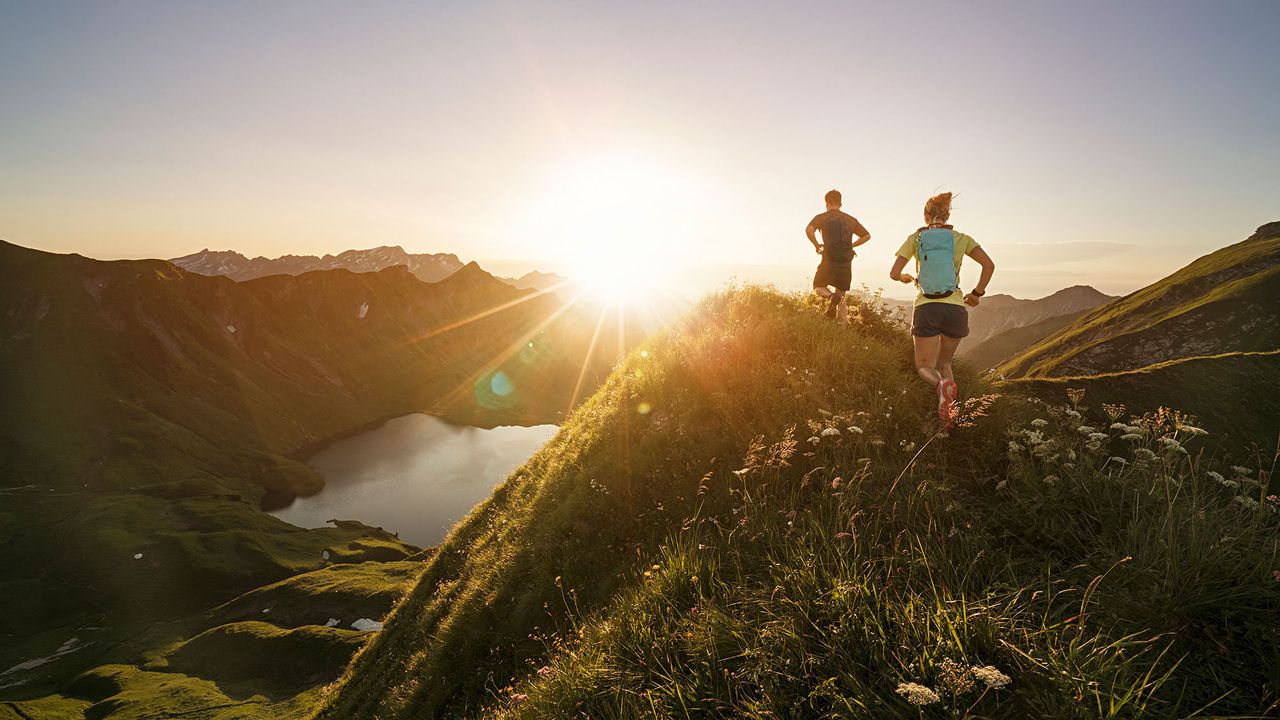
x,y
932,318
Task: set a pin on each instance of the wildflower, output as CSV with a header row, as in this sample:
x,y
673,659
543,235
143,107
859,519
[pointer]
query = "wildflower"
x,y
1244,471
830,432
1118,426
1132,437
909,446
545,671
1144,454
814,440
1086,429
854,429
1093,447
917,694
1246,502
1050,480
988,674
693,579
648,574
844,536
1216,476
955,677
519,698
1039,422
1002,485
656,567
1192,429
1076,395
1014,447
1113,411
1074,415
1097,436
877,442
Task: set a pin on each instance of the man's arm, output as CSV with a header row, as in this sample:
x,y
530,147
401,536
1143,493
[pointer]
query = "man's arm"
x,y
811,231
988,269
895,273
863,234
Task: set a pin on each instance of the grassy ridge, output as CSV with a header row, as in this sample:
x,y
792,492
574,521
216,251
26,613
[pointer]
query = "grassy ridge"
x,y
1222,302
757,518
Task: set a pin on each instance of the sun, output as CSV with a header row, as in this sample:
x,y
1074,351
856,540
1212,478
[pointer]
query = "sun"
x,y
622,224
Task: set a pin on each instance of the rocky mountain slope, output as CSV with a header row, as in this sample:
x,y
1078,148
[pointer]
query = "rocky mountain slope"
x,y
1006,344
428,267
1001,313
148,411
749,520
1225,302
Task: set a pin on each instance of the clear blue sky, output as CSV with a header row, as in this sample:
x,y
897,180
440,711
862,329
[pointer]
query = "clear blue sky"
x,y
1089,142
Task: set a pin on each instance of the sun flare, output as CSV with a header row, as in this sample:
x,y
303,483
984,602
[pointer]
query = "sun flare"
x,y
620,222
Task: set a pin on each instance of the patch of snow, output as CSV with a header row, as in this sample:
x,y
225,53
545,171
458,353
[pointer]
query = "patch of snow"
x,y
333,622
365,625
231,329
137,556
364,310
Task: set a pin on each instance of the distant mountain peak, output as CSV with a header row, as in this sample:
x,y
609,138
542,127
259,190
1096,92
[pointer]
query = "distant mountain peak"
x,y
428,267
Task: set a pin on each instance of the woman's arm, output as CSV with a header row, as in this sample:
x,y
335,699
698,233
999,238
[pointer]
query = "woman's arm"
x,y
895,273
988,269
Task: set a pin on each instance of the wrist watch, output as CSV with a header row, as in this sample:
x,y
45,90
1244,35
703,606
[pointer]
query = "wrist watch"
x,y
978,292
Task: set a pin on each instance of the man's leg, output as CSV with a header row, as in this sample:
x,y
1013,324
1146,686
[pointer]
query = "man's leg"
x,y
927,349
821,291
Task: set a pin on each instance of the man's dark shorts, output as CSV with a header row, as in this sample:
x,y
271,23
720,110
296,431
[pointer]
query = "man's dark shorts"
x,y
933,318
837,275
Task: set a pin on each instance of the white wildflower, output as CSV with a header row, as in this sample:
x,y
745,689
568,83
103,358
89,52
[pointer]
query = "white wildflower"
x,y
993,678
917,694
1074,415
1216,477
1192,429
1002,485
830,432
1119,426
1014,447
1086,429
1241,470
1093,447
1039,422
1132,437
1050,480
1144,454
1097,436
1246,502
814,440
854,429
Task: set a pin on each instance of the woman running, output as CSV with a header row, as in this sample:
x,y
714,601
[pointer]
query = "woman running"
x,y
940,319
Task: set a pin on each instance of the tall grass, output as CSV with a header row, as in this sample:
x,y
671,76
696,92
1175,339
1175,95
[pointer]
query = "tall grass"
x,y
787,534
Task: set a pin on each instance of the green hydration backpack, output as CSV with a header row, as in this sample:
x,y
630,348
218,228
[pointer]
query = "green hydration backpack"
x,y
937,255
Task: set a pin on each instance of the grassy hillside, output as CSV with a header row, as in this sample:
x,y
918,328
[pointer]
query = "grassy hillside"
x,y
1227,392
757,517
1224,302
148,412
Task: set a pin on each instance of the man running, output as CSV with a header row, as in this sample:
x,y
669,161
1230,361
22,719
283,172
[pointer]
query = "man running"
x,y
835,272
940,319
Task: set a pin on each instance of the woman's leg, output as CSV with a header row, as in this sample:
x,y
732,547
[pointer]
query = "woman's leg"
x,y
946,350
927,350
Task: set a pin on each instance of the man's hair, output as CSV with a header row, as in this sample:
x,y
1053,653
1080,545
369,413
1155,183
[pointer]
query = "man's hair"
x,y
832,197
938,208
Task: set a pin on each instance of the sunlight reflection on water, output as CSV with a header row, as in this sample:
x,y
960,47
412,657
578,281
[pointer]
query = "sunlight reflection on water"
x,y
416,475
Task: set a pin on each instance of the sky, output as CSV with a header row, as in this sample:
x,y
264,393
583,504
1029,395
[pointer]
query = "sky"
x,y
1102,143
